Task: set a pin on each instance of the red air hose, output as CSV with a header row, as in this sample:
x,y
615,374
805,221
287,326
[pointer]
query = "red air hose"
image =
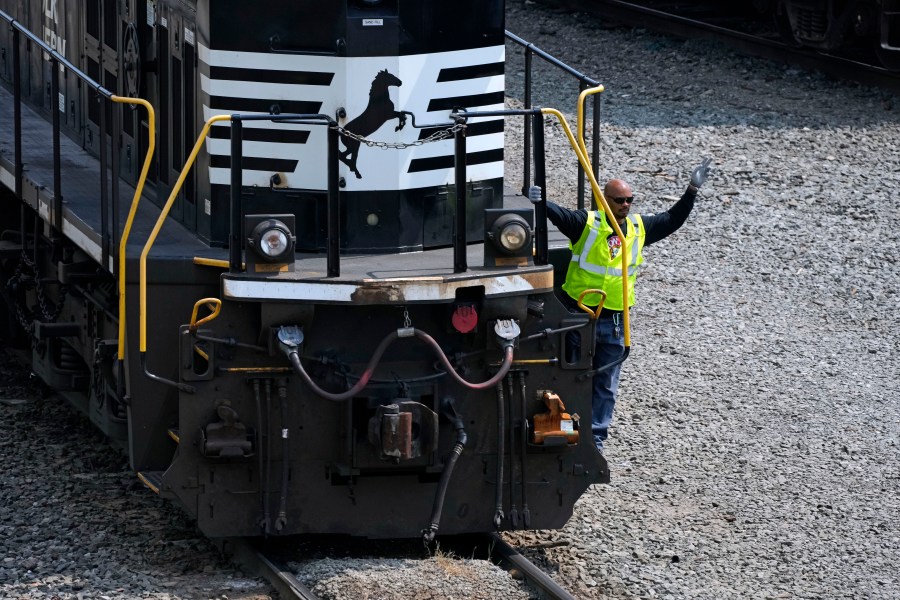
x,y
294,358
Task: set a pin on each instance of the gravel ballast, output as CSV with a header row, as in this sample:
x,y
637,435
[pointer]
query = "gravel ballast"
x,y
754,451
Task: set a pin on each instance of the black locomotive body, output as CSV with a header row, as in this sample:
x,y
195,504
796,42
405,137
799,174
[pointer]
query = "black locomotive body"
x,y
340,327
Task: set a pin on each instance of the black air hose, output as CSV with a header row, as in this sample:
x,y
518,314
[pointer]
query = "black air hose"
x,y
429,533
281,519
498,515
267,522
260,432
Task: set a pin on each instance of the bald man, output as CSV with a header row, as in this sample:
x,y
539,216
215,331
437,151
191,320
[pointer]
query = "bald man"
x,y
596,264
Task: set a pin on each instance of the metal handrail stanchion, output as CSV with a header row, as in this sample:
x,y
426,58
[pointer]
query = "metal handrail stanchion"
x,y
334,206
237,179
459,235
57,159
526,168
585,82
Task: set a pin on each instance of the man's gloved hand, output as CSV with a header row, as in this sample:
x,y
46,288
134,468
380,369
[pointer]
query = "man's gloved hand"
x,y
699,174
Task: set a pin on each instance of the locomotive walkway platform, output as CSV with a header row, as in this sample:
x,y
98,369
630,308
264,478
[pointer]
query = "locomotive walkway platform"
x,y
80,190
82,218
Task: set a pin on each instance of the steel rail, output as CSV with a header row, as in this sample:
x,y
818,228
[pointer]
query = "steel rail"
x,y
253,560
512,559
642,15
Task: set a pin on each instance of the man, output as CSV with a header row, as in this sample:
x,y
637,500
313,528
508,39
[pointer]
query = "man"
x,y
596,264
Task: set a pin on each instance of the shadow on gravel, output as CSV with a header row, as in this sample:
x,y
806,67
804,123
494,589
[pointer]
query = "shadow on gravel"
x,y
652,80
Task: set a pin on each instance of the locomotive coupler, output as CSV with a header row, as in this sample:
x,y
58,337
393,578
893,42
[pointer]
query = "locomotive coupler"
x,y
403,430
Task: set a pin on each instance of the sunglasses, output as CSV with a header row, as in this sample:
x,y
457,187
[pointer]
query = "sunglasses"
x,y
628,200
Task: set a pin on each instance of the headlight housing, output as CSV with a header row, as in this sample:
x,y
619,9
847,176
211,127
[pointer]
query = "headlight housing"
x,y
270,244
511,234
272,239
508,237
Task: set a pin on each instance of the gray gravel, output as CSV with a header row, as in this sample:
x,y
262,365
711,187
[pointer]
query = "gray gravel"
x,y
755,447
754,452
442,577
76,524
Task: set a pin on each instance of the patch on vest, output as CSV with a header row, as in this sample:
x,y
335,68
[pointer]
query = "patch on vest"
x,y
615,244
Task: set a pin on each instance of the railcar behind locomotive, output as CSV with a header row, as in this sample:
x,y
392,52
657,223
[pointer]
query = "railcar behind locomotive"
x,y
339,327
872,26
829,25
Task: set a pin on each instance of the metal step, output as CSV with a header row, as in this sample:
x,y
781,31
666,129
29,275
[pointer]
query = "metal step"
x,y
152,479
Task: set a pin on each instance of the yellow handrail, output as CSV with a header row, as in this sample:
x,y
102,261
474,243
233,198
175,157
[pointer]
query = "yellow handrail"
x,y
214,262
594,312
162,218
582,98
601,201
129,221
213,304
581,153
211,262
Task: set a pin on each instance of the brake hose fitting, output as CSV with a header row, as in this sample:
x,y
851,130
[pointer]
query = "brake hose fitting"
x,y
289,339
507,332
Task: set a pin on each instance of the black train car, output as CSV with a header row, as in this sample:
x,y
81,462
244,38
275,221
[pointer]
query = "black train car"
x,y
379,354
829,25
872,26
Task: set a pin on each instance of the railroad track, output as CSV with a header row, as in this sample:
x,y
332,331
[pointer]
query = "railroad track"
x,y
706,21
269,563
256,560
510,558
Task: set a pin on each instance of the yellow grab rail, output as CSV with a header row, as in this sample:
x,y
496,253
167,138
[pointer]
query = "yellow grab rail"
x,y
211,262
581,153
129,221
213,304
594,312
162,218
582,98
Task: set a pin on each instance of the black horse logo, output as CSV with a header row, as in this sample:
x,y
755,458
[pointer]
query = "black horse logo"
x,y
377,113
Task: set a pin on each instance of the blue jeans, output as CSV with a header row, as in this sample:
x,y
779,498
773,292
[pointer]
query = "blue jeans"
x,y
610,344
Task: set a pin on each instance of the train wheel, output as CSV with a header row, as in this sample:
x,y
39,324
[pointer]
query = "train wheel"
x,y
11,333
783,25
888,57
886,33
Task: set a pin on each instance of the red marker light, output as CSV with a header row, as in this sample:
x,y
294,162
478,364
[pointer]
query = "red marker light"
x,y
464,318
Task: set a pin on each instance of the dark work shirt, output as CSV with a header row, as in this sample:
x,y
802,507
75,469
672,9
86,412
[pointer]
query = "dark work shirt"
x,y
571,222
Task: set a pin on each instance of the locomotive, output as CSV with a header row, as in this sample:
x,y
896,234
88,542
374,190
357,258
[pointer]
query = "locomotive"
x,y
321,312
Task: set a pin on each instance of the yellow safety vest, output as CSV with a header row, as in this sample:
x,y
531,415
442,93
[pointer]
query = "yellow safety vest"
x,y
592,266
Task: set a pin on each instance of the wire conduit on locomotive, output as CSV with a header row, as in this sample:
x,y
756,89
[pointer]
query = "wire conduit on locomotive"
x,y
318,314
